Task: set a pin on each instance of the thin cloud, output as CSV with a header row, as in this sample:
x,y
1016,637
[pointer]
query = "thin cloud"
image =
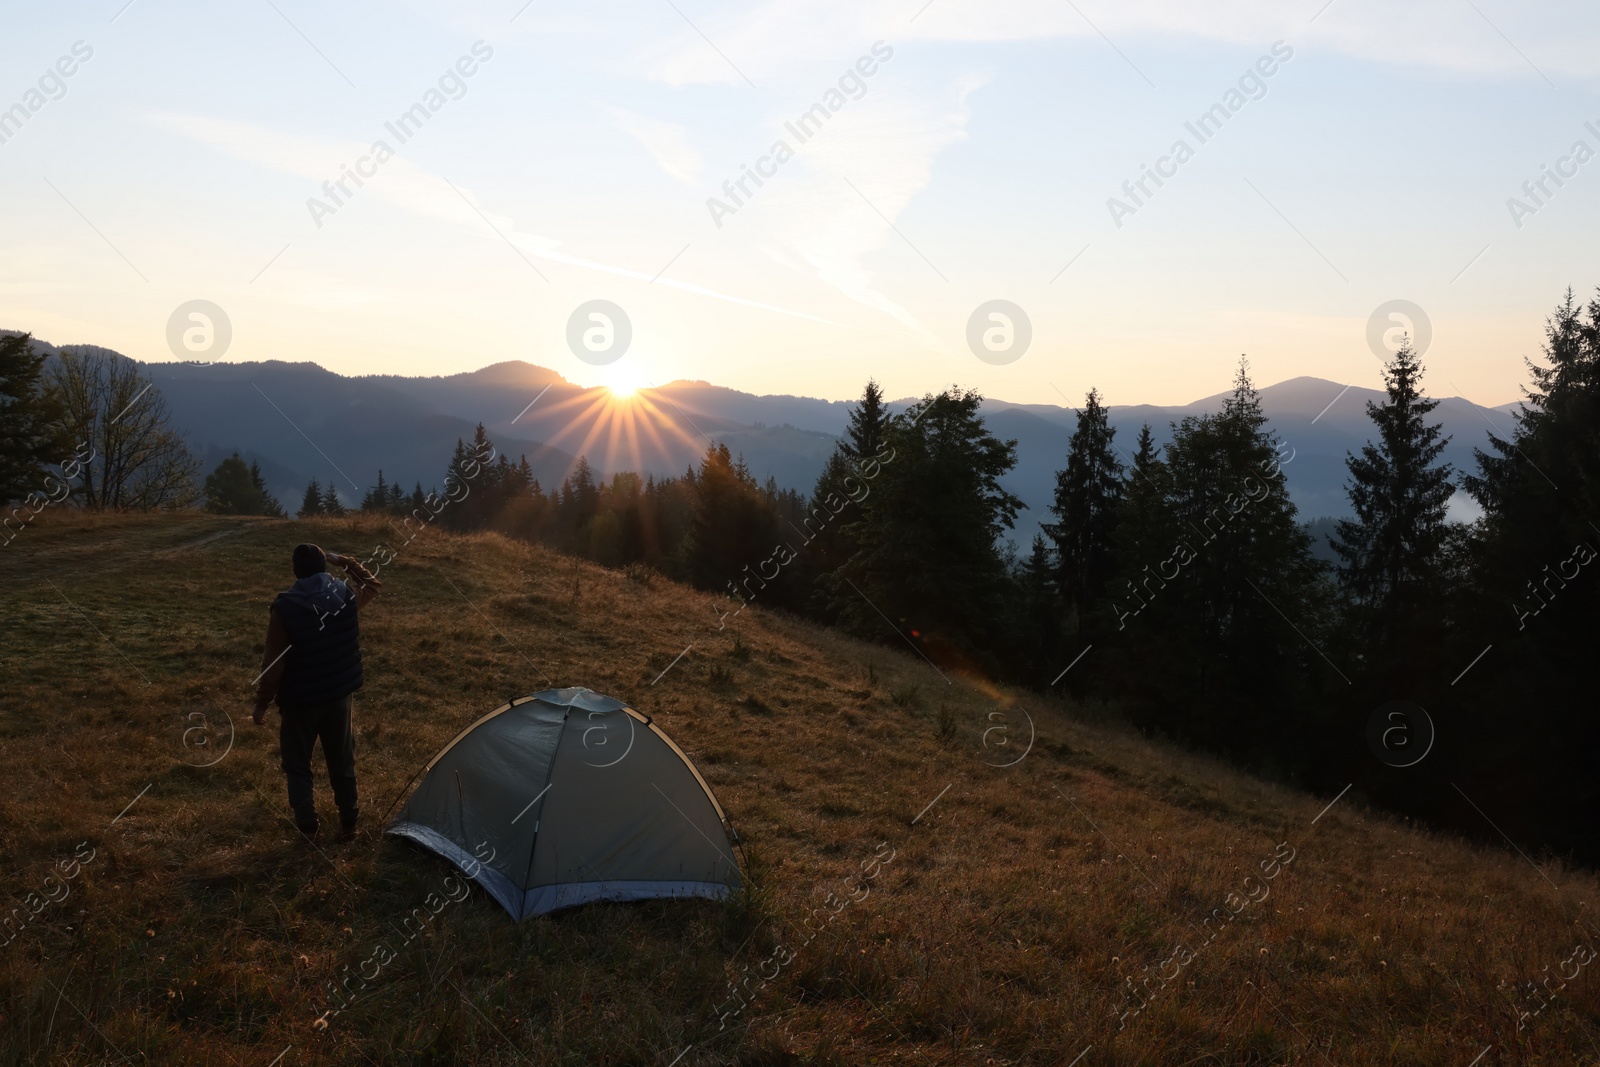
x,y
784,38
884,145
403,184
667,142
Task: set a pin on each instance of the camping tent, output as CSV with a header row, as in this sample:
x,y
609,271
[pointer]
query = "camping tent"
x,y
567,797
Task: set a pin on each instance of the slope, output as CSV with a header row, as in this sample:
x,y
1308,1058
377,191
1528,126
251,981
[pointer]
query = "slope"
x,y
944,872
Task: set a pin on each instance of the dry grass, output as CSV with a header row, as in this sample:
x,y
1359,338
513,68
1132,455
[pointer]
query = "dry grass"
x,y
1001,931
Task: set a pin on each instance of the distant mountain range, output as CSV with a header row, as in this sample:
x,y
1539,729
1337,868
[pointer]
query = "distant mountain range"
x,y
300,422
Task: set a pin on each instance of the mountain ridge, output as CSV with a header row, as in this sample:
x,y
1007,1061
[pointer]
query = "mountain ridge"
x,y
346,427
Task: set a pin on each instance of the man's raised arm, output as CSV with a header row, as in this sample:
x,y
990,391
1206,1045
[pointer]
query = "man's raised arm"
x,y
366,584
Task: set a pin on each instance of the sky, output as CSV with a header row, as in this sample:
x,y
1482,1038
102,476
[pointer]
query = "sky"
x,y
959,153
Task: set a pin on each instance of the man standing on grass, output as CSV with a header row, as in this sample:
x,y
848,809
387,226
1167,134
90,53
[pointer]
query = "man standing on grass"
x,y
312,665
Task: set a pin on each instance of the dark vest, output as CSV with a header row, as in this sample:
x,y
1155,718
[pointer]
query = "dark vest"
x,y
324,662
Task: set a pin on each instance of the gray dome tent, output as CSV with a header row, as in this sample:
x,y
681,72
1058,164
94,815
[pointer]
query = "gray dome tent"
x,y
568,797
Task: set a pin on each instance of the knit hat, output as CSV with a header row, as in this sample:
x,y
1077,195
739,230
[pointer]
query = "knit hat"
x,y
309,560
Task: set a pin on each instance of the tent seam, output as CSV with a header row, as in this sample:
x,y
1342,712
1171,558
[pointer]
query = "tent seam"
x,y
538,823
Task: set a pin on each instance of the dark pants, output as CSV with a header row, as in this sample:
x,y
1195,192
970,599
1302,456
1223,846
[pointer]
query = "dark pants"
x,y
298,732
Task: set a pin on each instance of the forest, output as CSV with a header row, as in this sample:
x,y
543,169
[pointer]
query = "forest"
x,y
1179,590
1176,590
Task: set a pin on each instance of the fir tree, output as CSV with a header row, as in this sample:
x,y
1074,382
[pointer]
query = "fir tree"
x,y
269,502
31,430
1216,601
311,504
732,529
1085,507
228,489
1552,444
863,437
1041,612
330,501
1399,493
1143,526
1527,703
580,500
377,498
928,556
845,479
521,481
1141,664
235,489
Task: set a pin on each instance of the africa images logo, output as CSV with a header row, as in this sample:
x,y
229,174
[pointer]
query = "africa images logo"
x,y
405,126
806,126
1251,85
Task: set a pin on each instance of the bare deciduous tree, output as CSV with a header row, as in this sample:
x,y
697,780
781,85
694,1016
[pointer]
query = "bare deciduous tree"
x,y
139,461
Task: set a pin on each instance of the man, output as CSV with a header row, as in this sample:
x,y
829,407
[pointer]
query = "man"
x,y
312,666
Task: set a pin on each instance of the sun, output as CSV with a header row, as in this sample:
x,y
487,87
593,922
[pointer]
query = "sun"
x,y
624,380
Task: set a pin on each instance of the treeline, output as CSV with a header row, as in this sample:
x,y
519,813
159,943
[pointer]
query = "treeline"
x,y
682,527
1177,584
1444,668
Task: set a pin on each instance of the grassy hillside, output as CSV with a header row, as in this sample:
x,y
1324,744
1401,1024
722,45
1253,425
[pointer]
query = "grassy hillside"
x,y
999,914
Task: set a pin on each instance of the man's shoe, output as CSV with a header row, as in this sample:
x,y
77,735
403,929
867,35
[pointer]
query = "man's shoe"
x,y
309,829
347,824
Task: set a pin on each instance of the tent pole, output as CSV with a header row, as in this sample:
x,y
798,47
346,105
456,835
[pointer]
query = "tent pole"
x,y
738,843
402,792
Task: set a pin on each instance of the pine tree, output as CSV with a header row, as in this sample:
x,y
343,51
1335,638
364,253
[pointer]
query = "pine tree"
x,y
846,478
471,481
330,501
1553,444
452,469
1242,410
1146,534
1216,601
1233,498
377,498
732,529
580,499
31,430
1143,526
863,437
482,449
228,489
520,482
1142,663
235,489
1041,612
1085,507
269,502
1528,702
1399,493
311,505
928,556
